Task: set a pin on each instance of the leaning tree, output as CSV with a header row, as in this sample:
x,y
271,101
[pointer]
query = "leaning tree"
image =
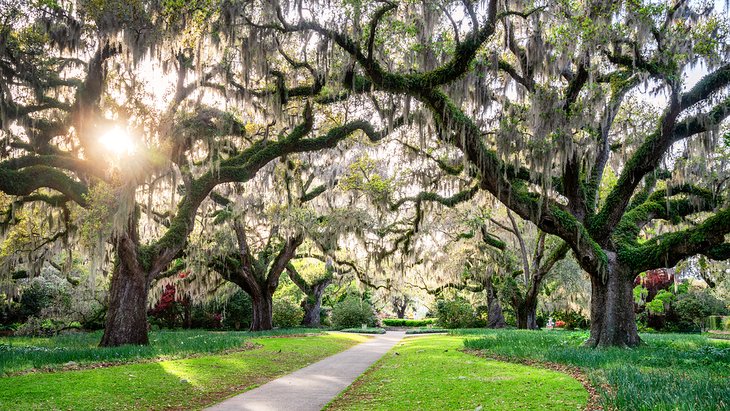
x,y
531,94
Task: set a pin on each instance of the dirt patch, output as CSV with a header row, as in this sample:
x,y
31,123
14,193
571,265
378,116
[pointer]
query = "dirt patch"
x,y
247,346
594,398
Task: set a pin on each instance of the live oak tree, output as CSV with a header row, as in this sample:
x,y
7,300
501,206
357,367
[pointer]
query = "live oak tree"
x,y
531,95
312,277
73,71
266,241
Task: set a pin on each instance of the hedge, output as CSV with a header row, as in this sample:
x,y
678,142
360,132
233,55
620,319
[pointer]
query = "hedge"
x,y
427,331
368,330
400,322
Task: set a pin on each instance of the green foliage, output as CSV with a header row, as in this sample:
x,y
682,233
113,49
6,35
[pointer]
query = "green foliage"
x,y
685,309
287,314
643,378
231,313
352,312
573,319
456,313
362,175
366,330
37,327
718,323
426,330
400,322
695,306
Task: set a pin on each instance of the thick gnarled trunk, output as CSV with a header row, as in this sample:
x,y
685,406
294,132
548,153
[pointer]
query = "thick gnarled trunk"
x,y
263,314
126,319
613,322
527,315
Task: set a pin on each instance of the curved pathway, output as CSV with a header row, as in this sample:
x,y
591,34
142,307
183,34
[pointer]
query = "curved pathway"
x,y
312,387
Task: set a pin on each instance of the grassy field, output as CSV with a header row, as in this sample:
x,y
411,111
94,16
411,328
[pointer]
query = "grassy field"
x,y
430,373
178,384
21,354
670,372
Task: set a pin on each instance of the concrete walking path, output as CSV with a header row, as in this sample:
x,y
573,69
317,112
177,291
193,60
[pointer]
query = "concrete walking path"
x,y
312,387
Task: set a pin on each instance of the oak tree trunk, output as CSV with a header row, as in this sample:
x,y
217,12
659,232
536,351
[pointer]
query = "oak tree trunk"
x,y
263,316
495,317
613,322
126,319
527,314
312,305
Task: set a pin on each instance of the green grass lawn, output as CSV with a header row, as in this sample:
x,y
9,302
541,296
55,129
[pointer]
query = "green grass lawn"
x,y
180,384
670,372
22,353
430,373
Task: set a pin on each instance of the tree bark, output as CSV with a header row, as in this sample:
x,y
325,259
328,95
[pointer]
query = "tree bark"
x,y
312,305
613,322
495,317
126,319
527,315
263,316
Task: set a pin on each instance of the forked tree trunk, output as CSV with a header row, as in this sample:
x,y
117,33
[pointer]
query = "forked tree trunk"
x,y
126,319
400,307
613,322
263,315
312,305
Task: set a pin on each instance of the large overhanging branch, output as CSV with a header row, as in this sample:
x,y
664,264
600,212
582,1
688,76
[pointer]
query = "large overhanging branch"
x,y
646,158
243,167
667,250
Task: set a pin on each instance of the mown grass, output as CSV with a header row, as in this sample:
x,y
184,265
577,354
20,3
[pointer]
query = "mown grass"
x,y
669,372
23,353
430,373
190,383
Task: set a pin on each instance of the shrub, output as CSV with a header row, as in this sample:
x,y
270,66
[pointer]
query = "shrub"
x,y
426,330
573,320
693,307
287,314
456,313
367,330
38,327
352,312
400,322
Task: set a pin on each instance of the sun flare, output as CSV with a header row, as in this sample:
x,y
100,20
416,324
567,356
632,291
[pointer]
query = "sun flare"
x,y
117,141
